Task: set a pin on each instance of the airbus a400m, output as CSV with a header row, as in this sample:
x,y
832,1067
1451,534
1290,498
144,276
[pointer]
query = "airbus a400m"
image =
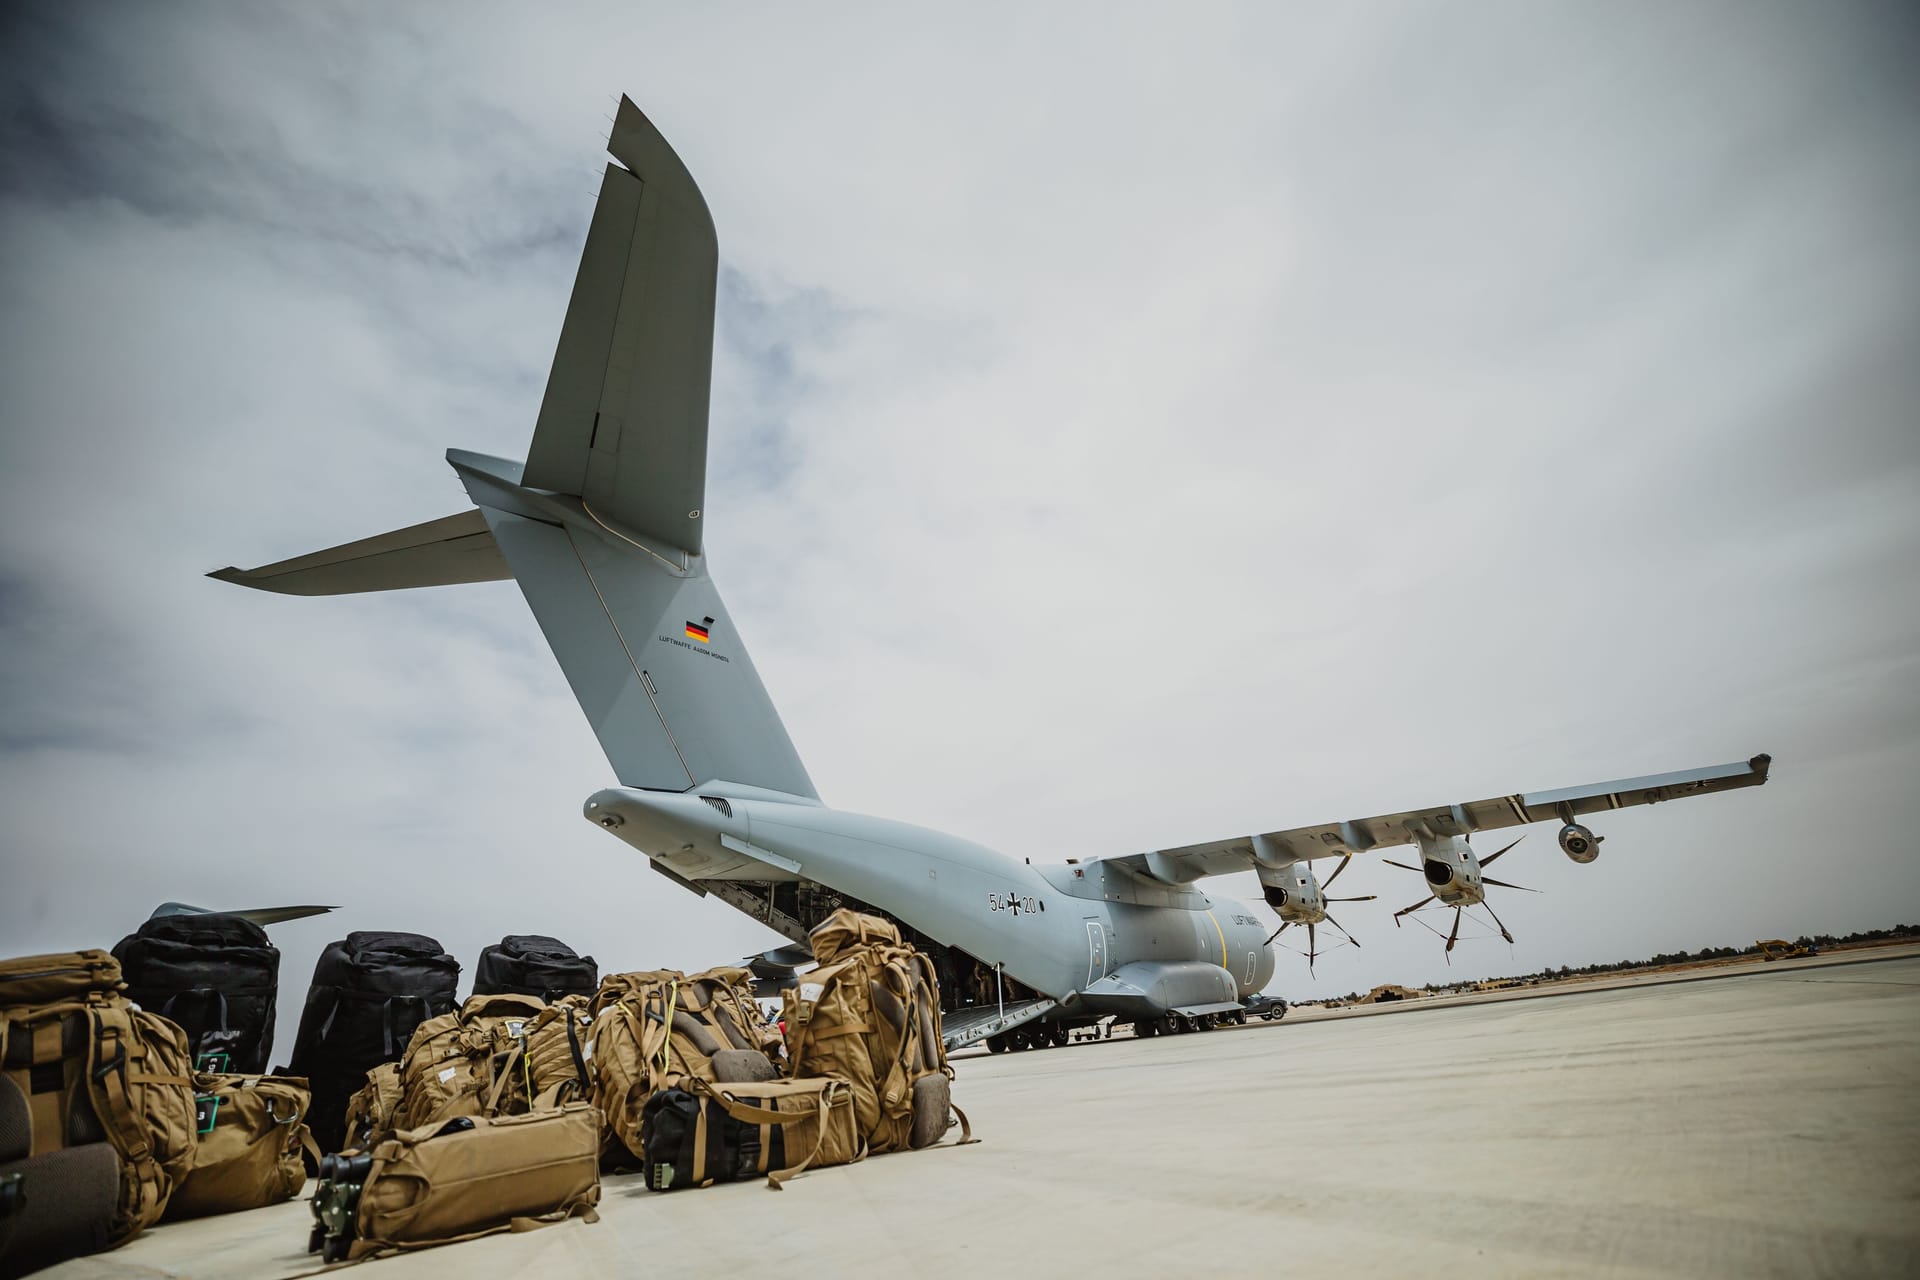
x,y
602,528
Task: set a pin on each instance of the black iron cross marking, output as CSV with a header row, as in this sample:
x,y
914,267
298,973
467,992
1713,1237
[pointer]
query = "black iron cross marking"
x,y
1013,902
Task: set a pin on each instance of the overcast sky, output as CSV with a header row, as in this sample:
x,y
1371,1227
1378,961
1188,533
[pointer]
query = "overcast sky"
x,y
1131,427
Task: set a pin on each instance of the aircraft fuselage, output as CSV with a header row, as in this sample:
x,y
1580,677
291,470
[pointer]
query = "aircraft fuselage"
x,y
1092,936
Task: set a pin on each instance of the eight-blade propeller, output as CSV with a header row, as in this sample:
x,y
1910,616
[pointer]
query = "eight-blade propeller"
x,y
1453,936
1313,940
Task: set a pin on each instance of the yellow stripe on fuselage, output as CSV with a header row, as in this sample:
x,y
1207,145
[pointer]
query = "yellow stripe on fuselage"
x,y
1223,942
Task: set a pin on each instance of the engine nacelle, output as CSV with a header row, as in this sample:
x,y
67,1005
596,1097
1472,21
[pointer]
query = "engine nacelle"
x,y
1579,843
1293,892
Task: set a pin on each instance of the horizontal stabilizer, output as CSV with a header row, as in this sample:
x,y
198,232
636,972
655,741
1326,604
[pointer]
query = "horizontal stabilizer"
x,y
435,554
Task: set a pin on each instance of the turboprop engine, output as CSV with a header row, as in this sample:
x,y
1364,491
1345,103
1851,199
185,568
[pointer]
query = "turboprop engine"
x,y
1298,897
1579,843
1454,874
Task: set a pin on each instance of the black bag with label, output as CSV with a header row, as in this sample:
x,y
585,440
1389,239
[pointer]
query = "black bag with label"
x,y
214,975
690,1141
369,992
530,964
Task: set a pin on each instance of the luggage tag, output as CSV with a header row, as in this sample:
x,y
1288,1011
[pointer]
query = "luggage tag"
x,y
206,1106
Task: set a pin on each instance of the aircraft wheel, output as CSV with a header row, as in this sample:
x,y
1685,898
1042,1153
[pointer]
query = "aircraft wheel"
x,y
996,1044
1145,1029
1060,1035
1181,1025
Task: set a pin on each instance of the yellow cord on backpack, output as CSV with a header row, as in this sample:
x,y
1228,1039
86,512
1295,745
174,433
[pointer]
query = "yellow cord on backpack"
x,y
666,1045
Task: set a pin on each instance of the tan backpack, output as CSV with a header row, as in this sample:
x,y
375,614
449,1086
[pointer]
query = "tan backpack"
x,y
370,1111
252,1133
559,1070
94,1066
656,1029
870,1015
468,1062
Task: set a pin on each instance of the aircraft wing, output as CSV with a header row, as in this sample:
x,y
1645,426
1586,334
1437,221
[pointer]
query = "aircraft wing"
x,y
1357,835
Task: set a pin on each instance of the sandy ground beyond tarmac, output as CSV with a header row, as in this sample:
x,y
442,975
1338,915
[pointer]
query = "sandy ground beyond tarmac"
x,y
1758,1124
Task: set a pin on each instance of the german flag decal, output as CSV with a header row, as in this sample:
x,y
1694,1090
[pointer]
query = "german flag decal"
x,y
698,631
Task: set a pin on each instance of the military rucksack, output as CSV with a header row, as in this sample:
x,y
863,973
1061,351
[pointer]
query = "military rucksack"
x,y
370,990
370,1110
870,1015
534,965
655,1030
558,1066
215,975
470,1062
91,1067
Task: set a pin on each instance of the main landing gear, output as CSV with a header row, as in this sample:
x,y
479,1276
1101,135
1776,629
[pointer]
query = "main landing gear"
x,y
1046,1036
1181,1024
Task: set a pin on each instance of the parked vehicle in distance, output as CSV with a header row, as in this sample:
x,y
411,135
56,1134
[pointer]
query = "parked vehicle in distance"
x,y
1261,1005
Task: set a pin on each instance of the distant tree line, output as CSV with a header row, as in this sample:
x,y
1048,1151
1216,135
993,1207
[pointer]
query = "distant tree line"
x,y
1817,941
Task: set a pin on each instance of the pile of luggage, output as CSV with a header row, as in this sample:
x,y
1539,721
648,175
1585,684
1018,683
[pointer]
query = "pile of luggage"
x,y
133,1091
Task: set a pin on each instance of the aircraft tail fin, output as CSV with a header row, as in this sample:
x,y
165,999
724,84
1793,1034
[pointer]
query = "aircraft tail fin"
x,y
623,423
600,527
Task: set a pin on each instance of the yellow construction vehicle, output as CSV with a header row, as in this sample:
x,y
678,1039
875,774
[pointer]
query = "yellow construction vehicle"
x,y
1781,949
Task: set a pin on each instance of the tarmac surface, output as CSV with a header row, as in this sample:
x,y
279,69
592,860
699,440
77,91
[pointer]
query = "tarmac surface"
x,y
1765,1122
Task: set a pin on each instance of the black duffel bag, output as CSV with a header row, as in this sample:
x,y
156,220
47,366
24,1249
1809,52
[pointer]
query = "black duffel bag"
x,y
369,992
530,964
691,1141
215,975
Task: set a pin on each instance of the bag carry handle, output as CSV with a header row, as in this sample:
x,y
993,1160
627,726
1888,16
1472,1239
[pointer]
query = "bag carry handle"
x,y
166,1010
823,1102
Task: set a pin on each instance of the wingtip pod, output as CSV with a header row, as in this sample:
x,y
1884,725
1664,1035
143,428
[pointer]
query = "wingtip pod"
x,y
1760,764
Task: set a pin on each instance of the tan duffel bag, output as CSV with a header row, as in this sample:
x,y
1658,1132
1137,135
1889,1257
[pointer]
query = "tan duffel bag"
x,y
803,1123
252,1133
458,1179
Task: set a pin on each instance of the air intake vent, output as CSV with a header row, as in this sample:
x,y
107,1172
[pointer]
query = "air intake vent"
x,y
720,806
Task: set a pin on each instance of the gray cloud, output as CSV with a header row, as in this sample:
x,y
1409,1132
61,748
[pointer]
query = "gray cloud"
x,y
1213,425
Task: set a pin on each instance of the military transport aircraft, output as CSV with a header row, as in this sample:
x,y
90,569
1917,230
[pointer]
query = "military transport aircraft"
x,y
601,528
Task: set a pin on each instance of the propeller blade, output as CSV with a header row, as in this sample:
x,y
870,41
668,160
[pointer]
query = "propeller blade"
x,y
1415,907
1496,921
1327,883
1277,932
1454,936
1365,897
1312,947
1403,866
1505,885
262,916
1487,862
1343,930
